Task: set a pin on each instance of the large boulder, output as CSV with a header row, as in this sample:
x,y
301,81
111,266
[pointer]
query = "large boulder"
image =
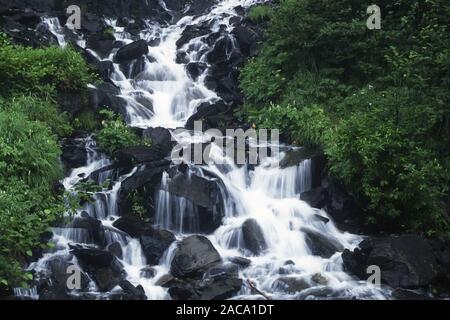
x,y
155,244
74,153
138,154
55,286
218,283
132,292
161,137
253,237
131,51
193,257
93,226
406,261
101,265
320,244
247,40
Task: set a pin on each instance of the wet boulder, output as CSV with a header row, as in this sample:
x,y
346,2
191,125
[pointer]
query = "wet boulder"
x,y
74,153
193,257
55,287
406,261
155,244
247,40
93,226
291,285
131,51
132,292
253,237
133,226
320,244
138,154
101,265
219,282
195,69
116,249
161,137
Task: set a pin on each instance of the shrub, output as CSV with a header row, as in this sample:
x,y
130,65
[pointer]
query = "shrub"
x,y
115,134
37,71
260,13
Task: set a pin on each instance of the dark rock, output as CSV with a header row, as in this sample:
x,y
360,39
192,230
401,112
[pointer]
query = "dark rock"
x,y
212,115
406,261
319,279
404,294
102,43
148,174
132,292
291,285
321,218
138,154
200,190
155,244
74,153
161,137
195,69
253,237
93,257
191,32
133,226
193,257
247,40
116,249
131,51
316,198
92,225
101,265
241,262
320,244
218,289
148,272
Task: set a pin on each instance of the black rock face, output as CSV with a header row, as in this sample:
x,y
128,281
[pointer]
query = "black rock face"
x,y
194,255
253,237
406,261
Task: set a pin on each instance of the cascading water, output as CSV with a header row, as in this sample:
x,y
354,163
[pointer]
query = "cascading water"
x,y
162,94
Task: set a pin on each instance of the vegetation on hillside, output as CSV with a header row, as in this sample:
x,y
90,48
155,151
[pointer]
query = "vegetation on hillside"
x,y
376,101
30,127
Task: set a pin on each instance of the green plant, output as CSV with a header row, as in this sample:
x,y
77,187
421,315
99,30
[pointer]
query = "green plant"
x,y
260,13
39,71
115,134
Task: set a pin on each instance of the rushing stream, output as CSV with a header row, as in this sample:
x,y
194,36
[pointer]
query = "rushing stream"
x,y
267,193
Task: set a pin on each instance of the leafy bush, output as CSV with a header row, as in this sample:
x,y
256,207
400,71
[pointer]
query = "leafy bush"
x,y
26,70
43,110
376,102
260,13
30,124
28,150
115,134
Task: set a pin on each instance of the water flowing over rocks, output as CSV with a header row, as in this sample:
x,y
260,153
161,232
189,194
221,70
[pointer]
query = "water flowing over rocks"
x,y
162,230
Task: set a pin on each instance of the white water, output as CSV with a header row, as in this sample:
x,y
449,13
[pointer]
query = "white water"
x,y
268,194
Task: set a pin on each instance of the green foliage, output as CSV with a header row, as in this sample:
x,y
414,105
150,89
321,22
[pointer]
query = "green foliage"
x,y
115,134
260,13
86,189
43,110
37,71
376,102
86,120
30,125
28,149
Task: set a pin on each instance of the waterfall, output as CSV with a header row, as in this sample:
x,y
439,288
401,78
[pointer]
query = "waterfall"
x,y
162,94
